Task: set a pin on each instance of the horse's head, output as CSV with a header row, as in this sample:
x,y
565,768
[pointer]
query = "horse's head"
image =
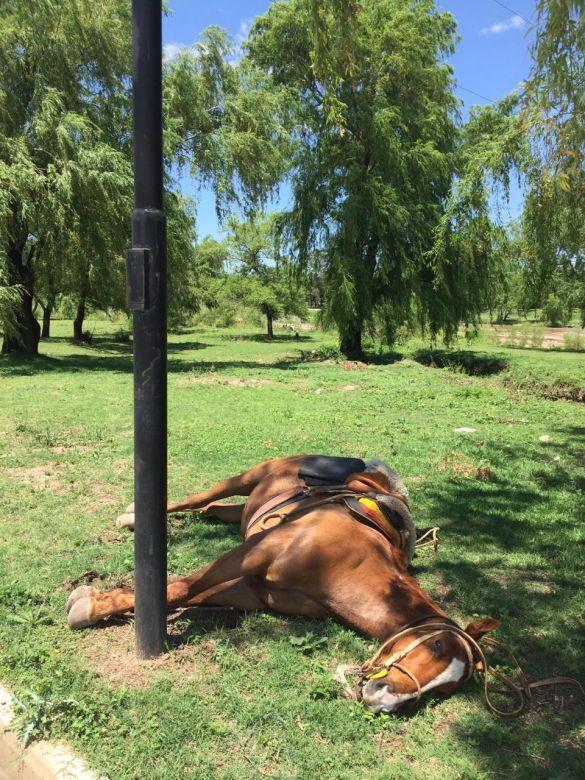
x,y
434,656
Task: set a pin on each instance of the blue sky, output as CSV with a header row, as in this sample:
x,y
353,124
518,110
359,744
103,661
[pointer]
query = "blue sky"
x,y
492,57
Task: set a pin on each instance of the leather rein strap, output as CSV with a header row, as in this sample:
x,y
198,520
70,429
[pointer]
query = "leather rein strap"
x,y
522,691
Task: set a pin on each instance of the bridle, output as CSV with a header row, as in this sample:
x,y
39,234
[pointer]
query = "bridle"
x,y
373,671
476,662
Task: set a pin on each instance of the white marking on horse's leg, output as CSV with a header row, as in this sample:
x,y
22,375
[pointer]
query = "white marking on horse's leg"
x,y
83,591
125,521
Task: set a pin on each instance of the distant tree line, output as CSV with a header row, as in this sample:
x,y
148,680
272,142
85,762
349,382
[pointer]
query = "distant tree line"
x,y
392,223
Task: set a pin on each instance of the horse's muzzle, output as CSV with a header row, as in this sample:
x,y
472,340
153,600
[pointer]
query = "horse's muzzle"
x,y
379,696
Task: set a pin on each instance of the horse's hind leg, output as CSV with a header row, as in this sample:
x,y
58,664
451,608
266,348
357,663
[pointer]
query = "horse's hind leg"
x,y
87,605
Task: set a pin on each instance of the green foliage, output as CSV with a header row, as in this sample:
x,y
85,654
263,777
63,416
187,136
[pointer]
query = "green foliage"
x,y
65,174
223,122
506,281
262,278
574,342
9,299
373,157
539,134
184,271
524,335
308,643
556,311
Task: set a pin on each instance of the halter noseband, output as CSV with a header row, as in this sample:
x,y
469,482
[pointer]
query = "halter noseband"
x,y
372,671
522,692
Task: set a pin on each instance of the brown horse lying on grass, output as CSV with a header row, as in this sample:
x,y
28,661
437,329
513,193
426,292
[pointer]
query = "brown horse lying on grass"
x,y
323,537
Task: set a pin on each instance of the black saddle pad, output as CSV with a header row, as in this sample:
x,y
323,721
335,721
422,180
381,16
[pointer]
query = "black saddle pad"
x,y
328,470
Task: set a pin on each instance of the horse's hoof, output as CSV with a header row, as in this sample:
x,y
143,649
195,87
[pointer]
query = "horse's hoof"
x,y
80,613
126,521
83,591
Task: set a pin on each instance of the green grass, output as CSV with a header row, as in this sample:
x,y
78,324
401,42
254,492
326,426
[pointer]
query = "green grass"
x,y
248,696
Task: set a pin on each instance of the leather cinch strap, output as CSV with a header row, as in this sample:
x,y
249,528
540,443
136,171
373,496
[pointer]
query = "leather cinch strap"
x,y
305,499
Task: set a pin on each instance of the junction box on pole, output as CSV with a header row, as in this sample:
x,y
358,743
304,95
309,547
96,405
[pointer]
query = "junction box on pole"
x,y
146,296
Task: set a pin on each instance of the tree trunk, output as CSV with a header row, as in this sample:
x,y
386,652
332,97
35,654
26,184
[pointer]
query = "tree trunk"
x,y
351,341
269,328
47,311
29,330
78,321
26,339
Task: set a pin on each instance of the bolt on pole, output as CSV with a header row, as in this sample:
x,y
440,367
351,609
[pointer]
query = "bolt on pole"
x,y
146,282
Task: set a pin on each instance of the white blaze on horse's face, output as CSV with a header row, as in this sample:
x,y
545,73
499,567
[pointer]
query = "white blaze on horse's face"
x,y
439,665
379,696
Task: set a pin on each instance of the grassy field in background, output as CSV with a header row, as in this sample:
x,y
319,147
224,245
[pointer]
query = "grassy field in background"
x,y
250,696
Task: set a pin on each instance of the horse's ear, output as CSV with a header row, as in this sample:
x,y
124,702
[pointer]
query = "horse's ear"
x,y
478,628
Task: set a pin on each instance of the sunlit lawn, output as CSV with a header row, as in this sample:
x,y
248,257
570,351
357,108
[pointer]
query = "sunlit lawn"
x,y
234,697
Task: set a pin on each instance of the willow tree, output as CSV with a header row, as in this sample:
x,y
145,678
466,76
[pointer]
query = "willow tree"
x,y
263,279
553,117
373,156
537,135
224,123
65,174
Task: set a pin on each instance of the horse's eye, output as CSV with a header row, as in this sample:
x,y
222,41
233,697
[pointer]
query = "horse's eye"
x,y
437,647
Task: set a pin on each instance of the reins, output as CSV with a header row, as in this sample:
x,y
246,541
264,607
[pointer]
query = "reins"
x,y
522,691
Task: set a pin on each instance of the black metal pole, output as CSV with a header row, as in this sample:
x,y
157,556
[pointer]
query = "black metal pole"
x,y
146,297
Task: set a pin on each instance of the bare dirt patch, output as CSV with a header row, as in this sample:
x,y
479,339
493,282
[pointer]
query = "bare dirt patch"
x,y
485,474
231,381
456,463
349,388
102,494
111,537
459,467
551,337
48,476
110,652
354,365
65,449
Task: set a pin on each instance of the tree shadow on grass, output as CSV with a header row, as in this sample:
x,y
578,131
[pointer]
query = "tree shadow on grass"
x,y
263,338
530,576
472,363
122,363
384,359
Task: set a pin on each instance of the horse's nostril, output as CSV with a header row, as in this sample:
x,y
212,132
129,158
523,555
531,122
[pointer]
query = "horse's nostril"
x,y
382,688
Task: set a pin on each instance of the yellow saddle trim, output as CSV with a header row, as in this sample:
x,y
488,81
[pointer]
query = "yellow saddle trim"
x,y
373,507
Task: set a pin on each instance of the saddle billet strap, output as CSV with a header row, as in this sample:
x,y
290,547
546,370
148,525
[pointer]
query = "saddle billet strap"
x,y
276,503
333,495
301,496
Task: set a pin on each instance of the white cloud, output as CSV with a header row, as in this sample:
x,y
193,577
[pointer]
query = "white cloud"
x,y
171,50
239,39
512,23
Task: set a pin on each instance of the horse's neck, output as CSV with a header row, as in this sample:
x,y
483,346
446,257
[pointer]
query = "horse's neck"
x,y
406,605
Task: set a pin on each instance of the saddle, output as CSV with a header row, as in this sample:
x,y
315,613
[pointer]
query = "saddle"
x,y
367,496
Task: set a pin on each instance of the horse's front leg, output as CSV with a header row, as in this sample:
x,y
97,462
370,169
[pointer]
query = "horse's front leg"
x,y
240,485
225,513
87,605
